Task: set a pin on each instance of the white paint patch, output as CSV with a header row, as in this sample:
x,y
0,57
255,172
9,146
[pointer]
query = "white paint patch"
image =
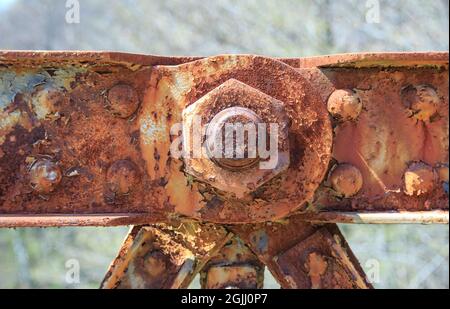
x,y
41,105
152,131
7,122
182,83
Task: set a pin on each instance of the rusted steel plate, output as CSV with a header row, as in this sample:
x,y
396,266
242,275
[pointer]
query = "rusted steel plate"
x,y
76,133
302,255
394,155
319,262
60,138
73,143
309,131
235,266
164,256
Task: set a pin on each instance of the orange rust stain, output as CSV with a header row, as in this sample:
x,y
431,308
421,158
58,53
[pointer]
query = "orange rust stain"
x,y
317,266
185,197
160,111
150,133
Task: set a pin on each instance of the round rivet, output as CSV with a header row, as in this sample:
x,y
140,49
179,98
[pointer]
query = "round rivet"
x,y
419,179
122,176
344,104
346,179
123,100
442,170
45,175
422,101
155,263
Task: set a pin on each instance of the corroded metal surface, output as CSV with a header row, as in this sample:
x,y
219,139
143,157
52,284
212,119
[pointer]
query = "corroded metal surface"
x,y
87,138
164,256
310,138
302,255
235,266
389,137
72,129
236,100
89,134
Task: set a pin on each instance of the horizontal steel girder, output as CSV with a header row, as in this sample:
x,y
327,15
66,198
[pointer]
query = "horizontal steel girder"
x,y
85,138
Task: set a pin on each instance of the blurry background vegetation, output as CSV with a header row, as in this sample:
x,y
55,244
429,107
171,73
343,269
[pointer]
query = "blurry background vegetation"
x,y
409,256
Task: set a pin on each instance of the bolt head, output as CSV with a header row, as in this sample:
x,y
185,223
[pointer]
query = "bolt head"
x,y
217,131
346,179
122,100
419,179
234,101
45,175
344,105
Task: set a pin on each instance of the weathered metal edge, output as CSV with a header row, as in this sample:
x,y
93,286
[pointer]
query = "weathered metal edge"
x,y
402,217
377,59
360,60
105,220
100,220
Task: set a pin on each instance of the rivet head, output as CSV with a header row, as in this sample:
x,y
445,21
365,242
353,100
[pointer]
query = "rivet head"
x,y
419,179
122,176
346,179
421,100
123,100
45,175
344,105
155,263
442,170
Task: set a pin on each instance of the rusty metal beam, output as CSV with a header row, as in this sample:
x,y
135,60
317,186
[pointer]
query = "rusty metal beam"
x,y
107,219
234,266
301,255
405,217
164,256
86,140
56,147
350,60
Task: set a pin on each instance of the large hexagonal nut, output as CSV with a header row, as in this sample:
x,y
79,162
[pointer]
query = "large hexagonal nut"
x,y
235,138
